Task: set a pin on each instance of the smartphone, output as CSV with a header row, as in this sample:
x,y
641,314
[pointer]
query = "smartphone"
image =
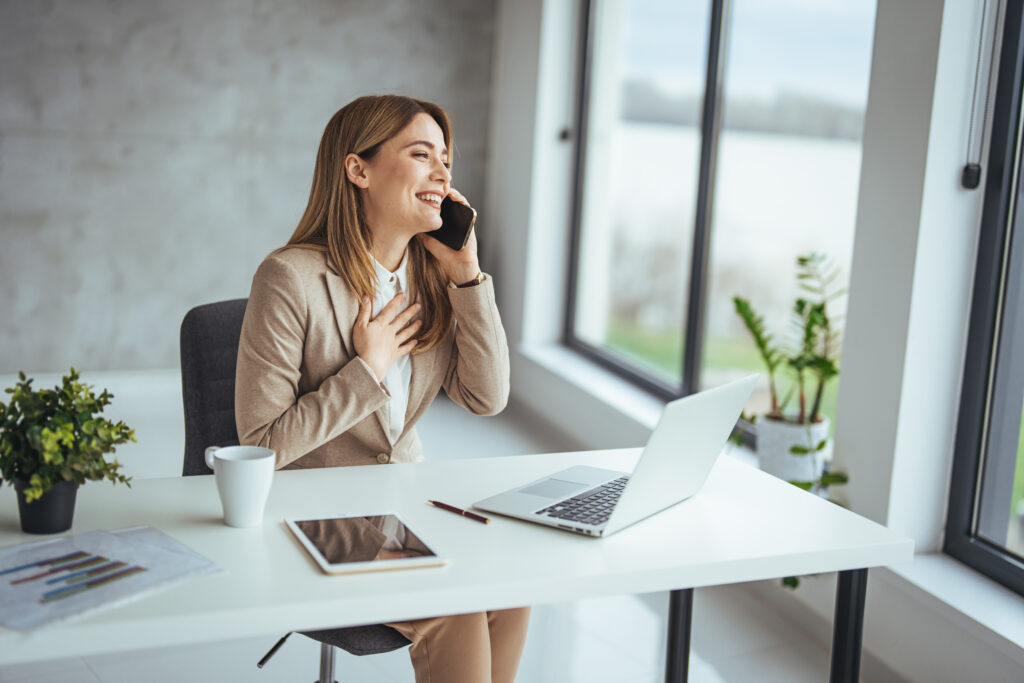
x,y
457,222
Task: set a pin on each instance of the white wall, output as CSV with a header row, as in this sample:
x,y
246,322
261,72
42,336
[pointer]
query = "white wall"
x,y
909,298
912,269
529,190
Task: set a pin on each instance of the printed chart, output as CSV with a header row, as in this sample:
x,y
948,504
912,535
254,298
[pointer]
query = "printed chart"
x,y
49,581
72,573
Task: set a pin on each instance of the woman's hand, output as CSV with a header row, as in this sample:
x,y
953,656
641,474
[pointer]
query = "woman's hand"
x,y
386,338
459,266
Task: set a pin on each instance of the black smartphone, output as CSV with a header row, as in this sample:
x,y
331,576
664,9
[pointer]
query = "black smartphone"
x,y
457,221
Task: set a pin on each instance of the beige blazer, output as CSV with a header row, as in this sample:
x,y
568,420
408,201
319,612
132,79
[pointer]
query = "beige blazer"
x,y
301,390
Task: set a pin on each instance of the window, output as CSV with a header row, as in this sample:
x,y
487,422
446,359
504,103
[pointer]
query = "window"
x,y
985,522
639,183
719,141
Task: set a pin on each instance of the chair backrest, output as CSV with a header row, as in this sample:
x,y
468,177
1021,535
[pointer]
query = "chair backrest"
x,y
209,350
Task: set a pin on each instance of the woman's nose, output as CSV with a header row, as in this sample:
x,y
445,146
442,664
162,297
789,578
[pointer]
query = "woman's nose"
x,y
442,173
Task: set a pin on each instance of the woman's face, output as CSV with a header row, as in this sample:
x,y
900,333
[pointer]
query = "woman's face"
x,y
406,180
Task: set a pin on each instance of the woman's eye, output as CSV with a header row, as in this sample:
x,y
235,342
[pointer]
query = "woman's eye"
x,y
421,154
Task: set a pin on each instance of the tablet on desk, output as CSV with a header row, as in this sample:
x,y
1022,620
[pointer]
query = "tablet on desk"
x,y
363,543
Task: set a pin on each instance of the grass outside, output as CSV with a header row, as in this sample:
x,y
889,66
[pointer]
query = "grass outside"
x,y
661,351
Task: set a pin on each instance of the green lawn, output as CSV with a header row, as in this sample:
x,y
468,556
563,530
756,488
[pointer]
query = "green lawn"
x,y
661,352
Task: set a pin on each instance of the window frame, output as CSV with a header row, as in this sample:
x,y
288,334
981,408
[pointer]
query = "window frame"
x,y
1000,209
710,128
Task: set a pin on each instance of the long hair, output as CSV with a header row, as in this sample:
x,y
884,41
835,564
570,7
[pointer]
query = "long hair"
x,y
335,222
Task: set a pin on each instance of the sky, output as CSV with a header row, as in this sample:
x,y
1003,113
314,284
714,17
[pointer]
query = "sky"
x,y
820,47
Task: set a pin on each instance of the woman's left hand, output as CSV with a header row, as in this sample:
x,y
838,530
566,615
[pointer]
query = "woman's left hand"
x,y
459,266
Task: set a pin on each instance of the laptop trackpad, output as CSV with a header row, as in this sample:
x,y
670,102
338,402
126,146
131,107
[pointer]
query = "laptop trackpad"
x,y
554,488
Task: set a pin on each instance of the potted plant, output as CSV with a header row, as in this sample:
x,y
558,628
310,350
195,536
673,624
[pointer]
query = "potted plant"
x,y
52,440
795,444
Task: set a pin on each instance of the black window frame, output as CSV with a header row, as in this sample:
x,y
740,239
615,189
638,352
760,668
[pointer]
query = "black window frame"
x,y
1001,208
711,112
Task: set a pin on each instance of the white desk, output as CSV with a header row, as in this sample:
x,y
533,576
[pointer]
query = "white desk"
x,y
743,526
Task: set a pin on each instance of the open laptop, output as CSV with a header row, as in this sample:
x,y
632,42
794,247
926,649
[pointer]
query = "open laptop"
x,y
673,466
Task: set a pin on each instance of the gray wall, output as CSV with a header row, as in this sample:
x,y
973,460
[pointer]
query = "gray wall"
x,y
152,152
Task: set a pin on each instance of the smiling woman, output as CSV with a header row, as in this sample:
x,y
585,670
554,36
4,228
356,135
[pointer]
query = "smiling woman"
x,y
403,136
355,325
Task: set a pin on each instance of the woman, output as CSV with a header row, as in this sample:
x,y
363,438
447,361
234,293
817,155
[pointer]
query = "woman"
x,y
354,326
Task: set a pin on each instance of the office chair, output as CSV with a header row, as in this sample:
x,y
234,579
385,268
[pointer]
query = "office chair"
x,y
209,350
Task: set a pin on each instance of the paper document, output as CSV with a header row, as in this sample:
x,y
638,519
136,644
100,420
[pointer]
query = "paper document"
x,y
49,581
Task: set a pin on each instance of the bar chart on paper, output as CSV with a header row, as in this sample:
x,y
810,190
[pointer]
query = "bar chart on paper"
x,y
72,574
53,580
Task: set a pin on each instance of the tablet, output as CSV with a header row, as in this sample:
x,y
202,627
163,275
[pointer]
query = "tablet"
x,y
362,543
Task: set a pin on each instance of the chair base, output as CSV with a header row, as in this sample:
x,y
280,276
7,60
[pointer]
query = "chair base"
x,y
326,659
326,664
272,651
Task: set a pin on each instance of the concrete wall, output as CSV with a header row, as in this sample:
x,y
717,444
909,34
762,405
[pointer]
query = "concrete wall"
x,y
152,152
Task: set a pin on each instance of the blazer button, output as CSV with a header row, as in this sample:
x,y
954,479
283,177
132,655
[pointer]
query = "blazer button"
x,y
383,458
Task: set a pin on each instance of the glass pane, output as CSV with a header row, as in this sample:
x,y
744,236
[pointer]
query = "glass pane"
x,y
1000,513
1015,534
1000,519
788,170
640,180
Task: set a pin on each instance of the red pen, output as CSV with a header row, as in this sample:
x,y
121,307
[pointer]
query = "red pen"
x,y
460,511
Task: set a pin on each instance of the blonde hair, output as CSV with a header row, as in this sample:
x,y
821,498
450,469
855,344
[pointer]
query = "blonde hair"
x,y
334,220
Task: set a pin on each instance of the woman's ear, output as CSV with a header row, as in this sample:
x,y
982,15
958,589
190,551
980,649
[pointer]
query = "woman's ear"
x,y
355,170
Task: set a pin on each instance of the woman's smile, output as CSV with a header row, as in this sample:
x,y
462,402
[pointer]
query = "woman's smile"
x,y
431,199
407,180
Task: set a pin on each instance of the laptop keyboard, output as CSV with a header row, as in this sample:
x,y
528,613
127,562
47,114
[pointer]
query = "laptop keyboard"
x,y
590,507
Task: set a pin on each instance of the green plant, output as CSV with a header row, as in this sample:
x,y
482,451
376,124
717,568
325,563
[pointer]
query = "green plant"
x,y
814,350
812,358
54,435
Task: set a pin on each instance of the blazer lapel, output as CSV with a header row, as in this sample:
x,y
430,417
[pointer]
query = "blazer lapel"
x,y
346,310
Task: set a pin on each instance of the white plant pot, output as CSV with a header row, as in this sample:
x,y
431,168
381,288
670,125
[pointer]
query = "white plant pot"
x,y
775,439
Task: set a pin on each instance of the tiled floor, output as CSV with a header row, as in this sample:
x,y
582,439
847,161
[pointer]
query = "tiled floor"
x,y
737,636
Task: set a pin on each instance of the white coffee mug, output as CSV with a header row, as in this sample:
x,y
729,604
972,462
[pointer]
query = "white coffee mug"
x,y
244,474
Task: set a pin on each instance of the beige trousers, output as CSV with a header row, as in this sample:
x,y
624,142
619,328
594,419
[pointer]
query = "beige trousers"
x,y
482,647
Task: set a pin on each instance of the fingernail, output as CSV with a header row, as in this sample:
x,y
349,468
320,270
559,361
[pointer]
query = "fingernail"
x,y
366,300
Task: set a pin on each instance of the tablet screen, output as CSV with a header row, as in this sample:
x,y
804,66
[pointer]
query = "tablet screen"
x,y
376,538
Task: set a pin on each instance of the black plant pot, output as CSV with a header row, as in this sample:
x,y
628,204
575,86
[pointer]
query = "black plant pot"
x,y
50,514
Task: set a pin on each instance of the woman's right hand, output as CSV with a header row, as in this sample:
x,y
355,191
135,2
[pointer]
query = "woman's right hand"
x,y
386,338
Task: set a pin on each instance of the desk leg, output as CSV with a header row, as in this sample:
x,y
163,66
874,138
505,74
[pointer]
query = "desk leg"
x,y
848,627
677,656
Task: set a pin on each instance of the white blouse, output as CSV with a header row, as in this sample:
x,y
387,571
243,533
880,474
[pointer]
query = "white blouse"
x,y
398,376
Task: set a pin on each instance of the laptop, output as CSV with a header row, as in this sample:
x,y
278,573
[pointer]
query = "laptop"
x,y
673,466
